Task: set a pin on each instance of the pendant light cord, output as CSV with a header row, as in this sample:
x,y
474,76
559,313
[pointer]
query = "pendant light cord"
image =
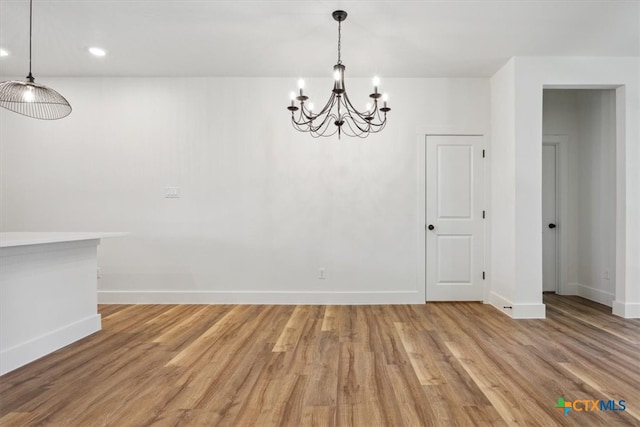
x,y
30,76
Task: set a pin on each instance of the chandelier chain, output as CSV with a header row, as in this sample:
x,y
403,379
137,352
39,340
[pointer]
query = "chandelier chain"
x,y
339,41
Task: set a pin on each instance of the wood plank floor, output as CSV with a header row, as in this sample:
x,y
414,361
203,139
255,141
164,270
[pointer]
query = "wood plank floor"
x,y
440,364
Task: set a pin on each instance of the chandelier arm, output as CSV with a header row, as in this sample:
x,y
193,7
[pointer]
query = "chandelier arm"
x,y
380,125
355,118
317,133
377,119
349,131
349,104
353,133
326,121
370,125
321,129
375,114
300,120
311,117
360,122
362,126
382,117
309,114
329,105
304,122
308,125
306,112
298,126
357,131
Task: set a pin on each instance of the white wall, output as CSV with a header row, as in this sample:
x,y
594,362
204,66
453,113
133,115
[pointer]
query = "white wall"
x,y
262,206
502,274
530,76
596,196
587,118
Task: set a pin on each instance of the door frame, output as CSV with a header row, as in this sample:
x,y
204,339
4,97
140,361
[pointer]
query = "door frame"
x,y
561,143
555,142
421,217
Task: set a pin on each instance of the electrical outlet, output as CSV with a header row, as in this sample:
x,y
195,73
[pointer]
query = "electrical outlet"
x,y
321,273
172,192
606,274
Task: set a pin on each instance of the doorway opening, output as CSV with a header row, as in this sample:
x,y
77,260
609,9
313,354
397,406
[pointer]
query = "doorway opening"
x,y
579,193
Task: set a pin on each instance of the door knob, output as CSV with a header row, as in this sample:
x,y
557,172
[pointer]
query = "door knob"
x,y
431,227
552,226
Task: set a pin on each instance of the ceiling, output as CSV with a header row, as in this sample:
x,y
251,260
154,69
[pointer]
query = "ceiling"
x,y
298,38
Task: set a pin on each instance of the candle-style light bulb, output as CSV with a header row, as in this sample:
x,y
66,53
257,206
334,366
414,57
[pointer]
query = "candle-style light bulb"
x,y
368,107
300,84
292,95
310,106
385,97
376,83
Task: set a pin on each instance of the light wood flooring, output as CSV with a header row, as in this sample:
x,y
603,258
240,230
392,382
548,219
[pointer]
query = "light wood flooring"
x,y
440,364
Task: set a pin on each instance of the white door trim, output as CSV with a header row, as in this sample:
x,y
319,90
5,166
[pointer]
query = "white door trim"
x,y
421,177
556,214
562,196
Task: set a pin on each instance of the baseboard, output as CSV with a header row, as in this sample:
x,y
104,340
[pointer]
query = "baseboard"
x,y
529,311
594,294
17,356
569,289
517,311
249,297
501,303
629,310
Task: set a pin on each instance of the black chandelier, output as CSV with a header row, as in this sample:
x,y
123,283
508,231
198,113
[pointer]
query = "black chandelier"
x,y
32,99
339,111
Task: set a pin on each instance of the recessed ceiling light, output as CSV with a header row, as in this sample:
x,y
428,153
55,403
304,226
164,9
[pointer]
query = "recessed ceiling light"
x,y
3,53
96,51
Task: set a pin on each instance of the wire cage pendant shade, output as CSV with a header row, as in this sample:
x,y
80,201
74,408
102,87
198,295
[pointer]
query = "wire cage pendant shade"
x,y
32,99
339,115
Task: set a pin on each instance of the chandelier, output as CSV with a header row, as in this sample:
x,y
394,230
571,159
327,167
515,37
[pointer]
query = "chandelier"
x,y
32,99
339,115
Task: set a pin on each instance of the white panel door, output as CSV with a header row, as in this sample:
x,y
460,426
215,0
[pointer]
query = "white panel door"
x,y
549,233
455,230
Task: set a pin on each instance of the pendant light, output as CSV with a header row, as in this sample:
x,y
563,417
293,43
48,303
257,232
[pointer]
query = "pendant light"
x,y
32,99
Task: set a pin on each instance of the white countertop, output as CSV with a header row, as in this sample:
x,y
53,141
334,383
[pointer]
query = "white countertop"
x,y
11,239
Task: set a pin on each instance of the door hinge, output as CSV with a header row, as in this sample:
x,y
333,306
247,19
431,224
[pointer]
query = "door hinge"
x,y
483,276
483,214
483,154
